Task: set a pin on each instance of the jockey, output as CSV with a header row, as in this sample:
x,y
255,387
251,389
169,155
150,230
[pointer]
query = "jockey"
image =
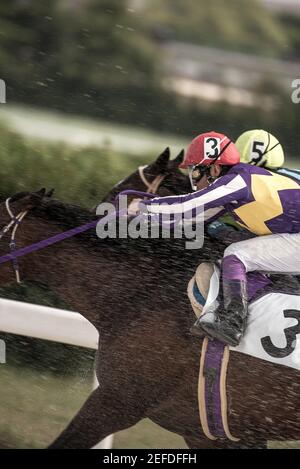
x,y
260,148
263,202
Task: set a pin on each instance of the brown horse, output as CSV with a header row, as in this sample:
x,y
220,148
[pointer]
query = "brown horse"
x,y
134,292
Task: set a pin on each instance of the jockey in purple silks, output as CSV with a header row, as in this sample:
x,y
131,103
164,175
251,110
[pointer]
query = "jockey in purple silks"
x,y
265,203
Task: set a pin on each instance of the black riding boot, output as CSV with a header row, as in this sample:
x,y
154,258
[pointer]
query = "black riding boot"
x,y
231,315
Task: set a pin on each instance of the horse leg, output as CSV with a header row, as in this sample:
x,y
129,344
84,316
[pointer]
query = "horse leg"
x,y
100,416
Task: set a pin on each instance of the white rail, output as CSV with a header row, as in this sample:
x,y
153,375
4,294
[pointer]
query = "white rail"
x,y
50,324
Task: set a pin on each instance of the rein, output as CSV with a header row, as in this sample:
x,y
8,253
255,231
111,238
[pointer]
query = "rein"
x,y
16,221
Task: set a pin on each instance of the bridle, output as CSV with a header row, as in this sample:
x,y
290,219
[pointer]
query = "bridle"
x,y
13,224
152,187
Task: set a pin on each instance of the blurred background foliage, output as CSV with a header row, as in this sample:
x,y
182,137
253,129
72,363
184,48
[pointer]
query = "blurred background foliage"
x,y
232,24
82,176
104,58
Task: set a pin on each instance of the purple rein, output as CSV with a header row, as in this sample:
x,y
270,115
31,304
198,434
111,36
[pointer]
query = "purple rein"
x,y
70,233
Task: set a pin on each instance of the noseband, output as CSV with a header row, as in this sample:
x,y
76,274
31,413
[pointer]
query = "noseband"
x,y
13,224
153,186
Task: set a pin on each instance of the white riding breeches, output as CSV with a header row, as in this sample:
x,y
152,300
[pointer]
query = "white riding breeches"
x,y
271,253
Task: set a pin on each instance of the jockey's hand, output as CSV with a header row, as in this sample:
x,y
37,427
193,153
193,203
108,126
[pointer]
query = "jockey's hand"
x,y
133,207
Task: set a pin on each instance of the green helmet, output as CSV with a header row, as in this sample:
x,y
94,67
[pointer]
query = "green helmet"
x,y
260,148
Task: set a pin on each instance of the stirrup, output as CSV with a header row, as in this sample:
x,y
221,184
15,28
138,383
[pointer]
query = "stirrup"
x,y
197,330
226,335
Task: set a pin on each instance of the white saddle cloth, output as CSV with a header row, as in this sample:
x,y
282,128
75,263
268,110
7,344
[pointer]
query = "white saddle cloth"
x,y
273,328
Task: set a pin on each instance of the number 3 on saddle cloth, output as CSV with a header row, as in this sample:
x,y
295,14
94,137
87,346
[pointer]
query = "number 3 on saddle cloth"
x,y
272,334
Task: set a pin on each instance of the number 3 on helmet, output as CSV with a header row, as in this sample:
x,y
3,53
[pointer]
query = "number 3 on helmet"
x,y
209,148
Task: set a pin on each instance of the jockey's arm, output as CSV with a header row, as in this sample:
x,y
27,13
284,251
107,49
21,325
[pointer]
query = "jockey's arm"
x,y
212,200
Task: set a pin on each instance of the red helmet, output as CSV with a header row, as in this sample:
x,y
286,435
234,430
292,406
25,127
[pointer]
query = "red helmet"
x,y
210,148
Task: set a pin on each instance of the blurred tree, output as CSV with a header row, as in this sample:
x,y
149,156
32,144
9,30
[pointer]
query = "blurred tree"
x,y
232,24
29,34
97,57
106,63
100,43
76,55
292,25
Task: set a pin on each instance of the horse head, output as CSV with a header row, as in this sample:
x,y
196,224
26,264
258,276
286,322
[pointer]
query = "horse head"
x,y
162,177
23,202
12,212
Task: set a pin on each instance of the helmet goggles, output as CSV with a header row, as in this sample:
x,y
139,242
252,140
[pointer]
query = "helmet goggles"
x,y
196,172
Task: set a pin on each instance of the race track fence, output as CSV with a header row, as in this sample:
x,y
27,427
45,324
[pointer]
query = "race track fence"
x,y
52,324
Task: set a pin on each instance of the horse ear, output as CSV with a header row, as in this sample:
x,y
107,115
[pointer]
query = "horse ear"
x,y
178,160
50,193
163,159
41,192
33,199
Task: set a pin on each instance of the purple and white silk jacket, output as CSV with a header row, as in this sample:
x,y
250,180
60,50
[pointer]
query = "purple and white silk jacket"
x,y
259,200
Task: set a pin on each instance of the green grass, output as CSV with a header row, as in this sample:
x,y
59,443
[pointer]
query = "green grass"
x,y
79,175
82,173
147,434
36,407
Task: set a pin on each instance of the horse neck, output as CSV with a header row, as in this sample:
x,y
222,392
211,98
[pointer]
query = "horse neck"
x,y
69,268
88,278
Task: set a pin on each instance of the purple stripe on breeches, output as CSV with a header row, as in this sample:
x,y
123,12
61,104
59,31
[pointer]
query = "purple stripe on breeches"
x,y
233,269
